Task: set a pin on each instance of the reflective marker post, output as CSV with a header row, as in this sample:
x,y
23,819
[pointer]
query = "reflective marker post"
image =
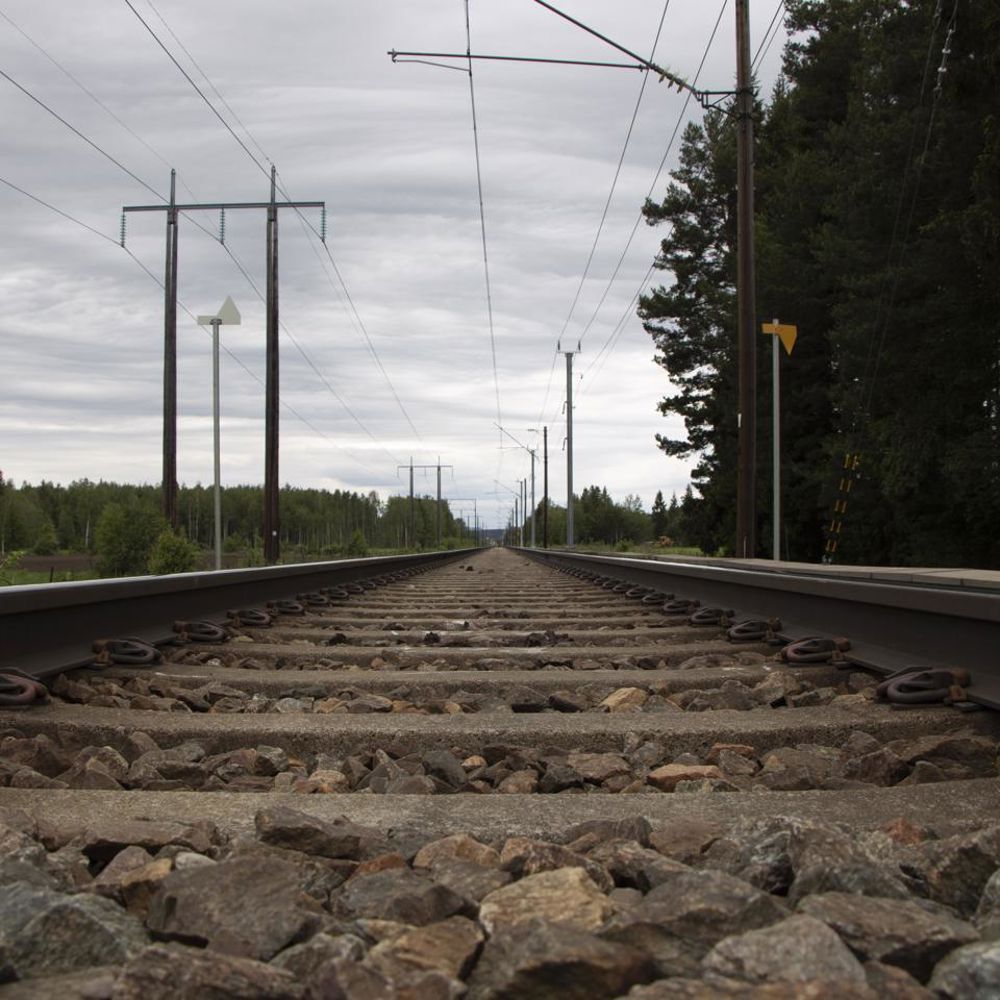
x,y
786,334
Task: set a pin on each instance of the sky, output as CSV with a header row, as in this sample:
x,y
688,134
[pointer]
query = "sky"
x,y
388,353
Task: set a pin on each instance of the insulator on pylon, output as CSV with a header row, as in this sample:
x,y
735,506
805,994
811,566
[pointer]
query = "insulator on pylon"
x,y
222,226
121,236
322,225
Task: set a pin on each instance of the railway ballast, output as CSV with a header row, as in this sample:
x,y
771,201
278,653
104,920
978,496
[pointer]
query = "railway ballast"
x,y
494,776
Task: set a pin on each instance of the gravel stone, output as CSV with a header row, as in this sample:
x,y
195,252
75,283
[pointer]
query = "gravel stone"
x,y
972,971
678,922
171,971
567,897
400,894
239,906
45,932
798,948
540,961
892,931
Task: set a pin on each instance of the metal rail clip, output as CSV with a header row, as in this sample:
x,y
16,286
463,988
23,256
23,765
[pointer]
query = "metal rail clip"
x,y
249,618
130,650
200,631
754,630
679,606
921,686
815,649
18,690
710,616
286,607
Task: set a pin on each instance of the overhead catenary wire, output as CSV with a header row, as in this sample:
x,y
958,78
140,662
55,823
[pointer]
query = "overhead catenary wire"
x,y
770,33
609,342
482,216
604,213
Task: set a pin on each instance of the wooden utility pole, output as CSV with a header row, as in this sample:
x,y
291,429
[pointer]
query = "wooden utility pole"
x,y
170,362
272,398
746,517
272,542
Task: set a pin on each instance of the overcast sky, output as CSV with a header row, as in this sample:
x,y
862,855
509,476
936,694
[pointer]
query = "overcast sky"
x,y
390,149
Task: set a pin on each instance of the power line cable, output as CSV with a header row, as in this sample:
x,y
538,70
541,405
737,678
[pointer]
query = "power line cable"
x,y
360,323
206,78
154,277
482,214
200,92
90,142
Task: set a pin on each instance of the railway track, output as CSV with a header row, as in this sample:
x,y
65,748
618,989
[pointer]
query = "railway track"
x,y
491,776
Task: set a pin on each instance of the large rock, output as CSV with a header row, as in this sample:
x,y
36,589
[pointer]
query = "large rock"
x,y
796,949
470,880
567,897
678,922
987,916
634,866
103,839
300,831
457,847
598,767
976,753
540,961
667,777
173,972
523,856
46,932
240,906
972,971
956,869
23,859
305,960
449,947
402,895
790,855
345,980
718,988
685,839
894,931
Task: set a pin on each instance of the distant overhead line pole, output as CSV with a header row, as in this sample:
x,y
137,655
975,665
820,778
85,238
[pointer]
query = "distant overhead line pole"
x,y
747,349
271,390
411,467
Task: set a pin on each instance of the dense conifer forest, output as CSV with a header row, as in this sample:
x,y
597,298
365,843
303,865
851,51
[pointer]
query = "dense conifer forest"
x,y
878,235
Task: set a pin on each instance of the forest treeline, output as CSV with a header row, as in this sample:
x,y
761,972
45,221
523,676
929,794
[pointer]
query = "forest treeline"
x,y
878,235
48,518
119,524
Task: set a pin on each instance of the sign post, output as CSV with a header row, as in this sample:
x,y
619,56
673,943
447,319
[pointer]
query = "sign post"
x,y
787,334
228,315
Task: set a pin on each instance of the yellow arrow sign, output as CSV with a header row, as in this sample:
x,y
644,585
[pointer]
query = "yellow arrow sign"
x,y
785,331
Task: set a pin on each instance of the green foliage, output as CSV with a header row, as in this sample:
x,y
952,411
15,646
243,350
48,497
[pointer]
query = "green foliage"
x,y
124,536
173,553
357,547
878,234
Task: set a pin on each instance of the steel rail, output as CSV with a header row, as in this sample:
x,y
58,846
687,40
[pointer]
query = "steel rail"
x,y
890,625
46,629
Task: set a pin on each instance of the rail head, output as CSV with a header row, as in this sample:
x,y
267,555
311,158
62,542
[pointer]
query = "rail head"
x,y
890,625
48,628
